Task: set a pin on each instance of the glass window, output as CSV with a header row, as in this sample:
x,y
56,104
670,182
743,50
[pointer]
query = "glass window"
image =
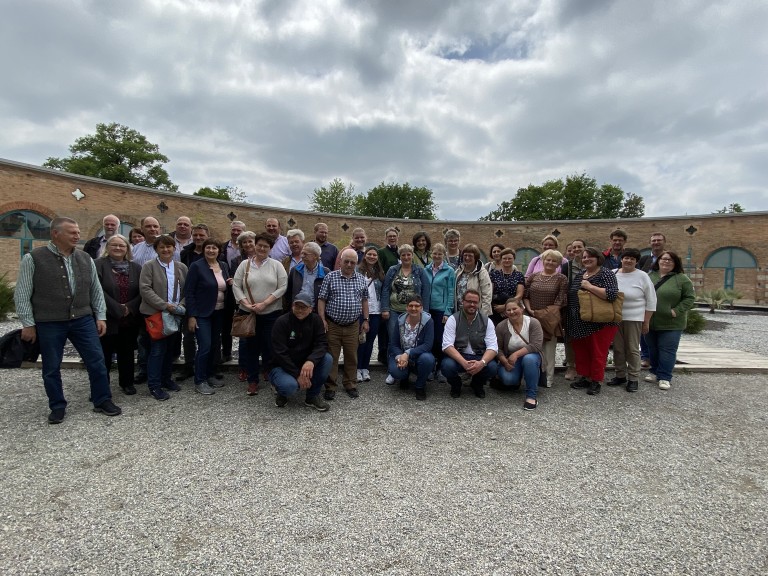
x,y
731,258
25,225
523,256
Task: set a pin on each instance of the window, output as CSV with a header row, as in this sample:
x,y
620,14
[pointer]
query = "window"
x,y
730,257
523,256
25,225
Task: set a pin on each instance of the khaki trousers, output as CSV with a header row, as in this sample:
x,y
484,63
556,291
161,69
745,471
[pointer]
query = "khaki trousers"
x,y
626,350
343,338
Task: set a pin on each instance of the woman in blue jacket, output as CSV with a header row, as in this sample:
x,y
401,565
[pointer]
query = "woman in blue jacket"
x,y
204,292
441,277
410,347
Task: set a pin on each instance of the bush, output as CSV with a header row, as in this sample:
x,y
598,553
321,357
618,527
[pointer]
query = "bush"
x,y
696,322
716,299
6,298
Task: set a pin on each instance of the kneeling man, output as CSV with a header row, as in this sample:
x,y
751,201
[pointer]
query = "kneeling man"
x,y
300,358
410,347
469,345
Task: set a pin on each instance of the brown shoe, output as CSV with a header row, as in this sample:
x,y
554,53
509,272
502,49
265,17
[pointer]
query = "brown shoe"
x,y
253,388
243,376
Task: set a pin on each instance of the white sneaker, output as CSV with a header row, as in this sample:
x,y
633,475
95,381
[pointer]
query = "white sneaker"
x,y
549,384
390,379
366,375
359,375
650,378
664,385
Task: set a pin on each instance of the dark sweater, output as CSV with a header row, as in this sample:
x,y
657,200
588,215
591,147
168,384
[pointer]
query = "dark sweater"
x,y
295,341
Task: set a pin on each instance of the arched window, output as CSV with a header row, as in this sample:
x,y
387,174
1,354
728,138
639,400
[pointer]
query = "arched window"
x,y
523,256
730,258
25,225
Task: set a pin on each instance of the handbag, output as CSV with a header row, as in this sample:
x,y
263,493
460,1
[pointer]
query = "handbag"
x,y
163,323
244,325
595,309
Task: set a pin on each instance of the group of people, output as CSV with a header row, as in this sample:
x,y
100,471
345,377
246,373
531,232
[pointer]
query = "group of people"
x,y
435,309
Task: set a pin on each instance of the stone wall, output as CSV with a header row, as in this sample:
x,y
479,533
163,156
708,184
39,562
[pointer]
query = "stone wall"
x,y
48,192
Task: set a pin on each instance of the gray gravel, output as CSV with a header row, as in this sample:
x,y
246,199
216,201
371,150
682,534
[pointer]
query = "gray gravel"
x,y
650,483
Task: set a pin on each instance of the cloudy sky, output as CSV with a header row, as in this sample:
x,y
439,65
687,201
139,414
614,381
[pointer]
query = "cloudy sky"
x,y
666,98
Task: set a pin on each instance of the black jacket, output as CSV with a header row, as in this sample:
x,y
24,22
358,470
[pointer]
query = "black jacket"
x,y
295,341
112,294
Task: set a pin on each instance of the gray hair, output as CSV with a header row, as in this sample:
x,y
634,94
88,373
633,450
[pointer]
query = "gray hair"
x,y
238,223
244,236
57,223
295,232
404,248
313,247
452,233
128,252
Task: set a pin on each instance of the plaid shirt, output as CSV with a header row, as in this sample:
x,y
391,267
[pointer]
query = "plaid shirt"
x,y
343,297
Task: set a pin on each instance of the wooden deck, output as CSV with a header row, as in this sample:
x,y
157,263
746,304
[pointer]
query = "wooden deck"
x,y
697,358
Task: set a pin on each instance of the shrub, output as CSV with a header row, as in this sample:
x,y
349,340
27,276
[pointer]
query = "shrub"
x,y
717,298
696,322
6,298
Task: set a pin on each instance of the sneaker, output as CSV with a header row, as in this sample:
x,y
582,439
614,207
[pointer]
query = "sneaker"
x,y
56,416
317,403
548,384
352,392
280,400
390,380
159,394
366,376
421,394
216,383
583,383
594,389
632,386
650,378
243,376
664,385
204,388
128,389
440,378
253,388
359,375
617,381
329,395
109,408
571,374
172,386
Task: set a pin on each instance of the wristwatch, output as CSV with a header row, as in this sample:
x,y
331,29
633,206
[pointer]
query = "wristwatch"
x,y
483,361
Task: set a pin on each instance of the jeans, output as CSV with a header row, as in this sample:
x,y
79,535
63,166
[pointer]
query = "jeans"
x,y
85,338
528,367
286,385
208,336
644,354
423,365
364,351
437,347
259,345
451,370
662,345
160,361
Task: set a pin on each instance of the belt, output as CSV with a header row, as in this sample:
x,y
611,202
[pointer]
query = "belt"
x,y
340,324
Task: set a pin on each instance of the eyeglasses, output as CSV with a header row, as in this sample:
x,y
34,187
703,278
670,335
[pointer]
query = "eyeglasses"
x,y
666,260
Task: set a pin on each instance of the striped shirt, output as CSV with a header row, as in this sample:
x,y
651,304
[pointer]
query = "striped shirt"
x,y
25,287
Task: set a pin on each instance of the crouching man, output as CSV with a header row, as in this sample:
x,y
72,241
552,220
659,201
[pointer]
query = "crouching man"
x,y
410,346
469,345
300,358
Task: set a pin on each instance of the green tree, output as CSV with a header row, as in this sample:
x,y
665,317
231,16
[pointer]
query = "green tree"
x,y
577,198
397,201
734,208
117,153
229,193
336,198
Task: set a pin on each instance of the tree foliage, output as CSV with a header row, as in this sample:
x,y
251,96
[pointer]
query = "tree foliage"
x,y
397,201
229,193
576,198
117,153
734,208
336,198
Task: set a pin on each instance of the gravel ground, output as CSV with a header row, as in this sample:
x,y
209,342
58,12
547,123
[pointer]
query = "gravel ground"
x,y
651,483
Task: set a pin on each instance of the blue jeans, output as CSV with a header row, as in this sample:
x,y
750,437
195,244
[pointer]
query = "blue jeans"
x,y
160,361
423,365
662,345
286,385
528,367
451,370
208,335
644,354
364,351
259,345
437,347
85,338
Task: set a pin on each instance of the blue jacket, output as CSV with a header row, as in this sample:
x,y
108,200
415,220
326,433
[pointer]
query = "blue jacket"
x,y
420,286
442,288
296,281
201,289
424,339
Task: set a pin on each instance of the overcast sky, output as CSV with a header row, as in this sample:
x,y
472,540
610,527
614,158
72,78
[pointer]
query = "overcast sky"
x,y
666,98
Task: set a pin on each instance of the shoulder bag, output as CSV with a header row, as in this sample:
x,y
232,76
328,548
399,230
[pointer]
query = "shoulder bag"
x,y
244,325
594,309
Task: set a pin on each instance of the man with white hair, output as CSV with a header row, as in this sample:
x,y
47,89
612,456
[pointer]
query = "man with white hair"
x,y
295,243
341,304
95,246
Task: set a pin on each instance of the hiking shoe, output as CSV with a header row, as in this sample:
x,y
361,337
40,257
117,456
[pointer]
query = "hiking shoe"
x,y
159,394
204,388
632,386
390,380
109,408
56,416
617,381
253,388
317,403
650,378
280,400
664,385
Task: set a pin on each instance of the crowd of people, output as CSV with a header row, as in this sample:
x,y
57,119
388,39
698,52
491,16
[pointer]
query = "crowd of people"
x,y
295,305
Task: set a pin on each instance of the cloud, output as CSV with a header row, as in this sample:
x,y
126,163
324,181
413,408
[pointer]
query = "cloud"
x,y
667,100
